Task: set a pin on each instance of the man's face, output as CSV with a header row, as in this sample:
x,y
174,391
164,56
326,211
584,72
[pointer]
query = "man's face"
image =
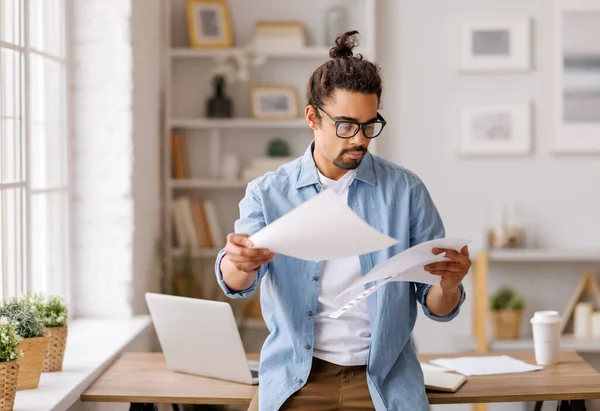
x,y
331,151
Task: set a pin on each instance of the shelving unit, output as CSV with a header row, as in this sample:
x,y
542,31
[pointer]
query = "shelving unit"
x,y
236,123
186,86
321,53
481,269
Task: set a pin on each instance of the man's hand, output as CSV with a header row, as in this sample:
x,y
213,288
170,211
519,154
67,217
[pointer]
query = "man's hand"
x,y
244,258
452,272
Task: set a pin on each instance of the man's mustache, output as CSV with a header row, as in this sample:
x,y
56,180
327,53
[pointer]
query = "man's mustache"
x,y
359,149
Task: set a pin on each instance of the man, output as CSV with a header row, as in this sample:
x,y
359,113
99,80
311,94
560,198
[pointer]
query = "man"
x,y
364,359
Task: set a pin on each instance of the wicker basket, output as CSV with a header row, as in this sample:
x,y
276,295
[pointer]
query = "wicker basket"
x,y
57,340
31,363
506,324
9,372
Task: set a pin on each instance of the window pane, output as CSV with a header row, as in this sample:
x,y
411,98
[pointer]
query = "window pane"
x,y
46,27
11,21
12,83
48,157
47,90
48,242
11,210
11,155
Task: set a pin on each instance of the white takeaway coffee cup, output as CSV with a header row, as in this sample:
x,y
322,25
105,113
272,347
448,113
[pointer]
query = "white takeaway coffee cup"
x,y
546,336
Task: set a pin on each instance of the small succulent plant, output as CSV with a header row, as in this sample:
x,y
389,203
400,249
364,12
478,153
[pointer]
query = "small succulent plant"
x,y
20,310
9,340
52,308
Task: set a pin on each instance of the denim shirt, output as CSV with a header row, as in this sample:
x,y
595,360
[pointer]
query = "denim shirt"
x,y
395,202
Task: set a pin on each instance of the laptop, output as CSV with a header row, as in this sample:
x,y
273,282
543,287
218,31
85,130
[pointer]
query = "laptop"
x,y
200,337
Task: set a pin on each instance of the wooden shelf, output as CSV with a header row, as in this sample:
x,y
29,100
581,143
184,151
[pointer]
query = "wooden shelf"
x,y
568,343
236,123
212,183
205,253
542,255
307,52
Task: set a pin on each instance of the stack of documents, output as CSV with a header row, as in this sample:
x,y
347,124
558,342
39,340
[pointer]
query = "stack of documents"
x,y
485,365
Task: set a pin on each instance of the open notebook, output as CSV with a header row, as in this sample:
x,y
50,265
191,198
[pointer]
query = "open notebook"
x,y
439,379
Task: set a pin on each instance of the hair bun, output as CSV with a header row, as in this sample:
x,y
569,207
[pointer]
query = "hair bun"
x,y
344,45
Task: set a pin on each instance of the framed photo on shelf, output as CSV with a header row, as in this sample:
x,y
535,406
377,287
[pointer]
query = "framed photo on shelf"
x,y
274,102
496,130
576,77
490,45
209,23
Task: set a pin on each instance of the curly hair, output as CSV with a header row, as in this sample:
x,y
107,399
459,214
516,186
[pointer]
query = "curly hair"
x,y
343,71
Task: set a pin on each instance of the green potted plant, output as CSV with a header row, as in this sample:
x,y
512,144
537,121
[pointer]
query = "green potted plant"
x,y
9,363
54,314
506,306
30,327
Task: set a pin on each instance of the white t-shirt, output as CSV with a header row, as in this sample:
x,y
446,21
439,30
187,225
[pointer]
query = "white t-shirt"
x,y
345,340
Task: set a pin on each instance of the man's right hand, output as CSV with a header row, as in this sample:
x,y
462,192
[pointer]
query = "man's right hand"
x,y
242,256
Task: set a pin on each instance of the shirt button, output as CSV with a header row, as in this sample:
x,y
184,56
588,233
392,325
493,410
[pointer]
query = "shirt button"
x,y
310,313
300,380
319,187
307,346
316,278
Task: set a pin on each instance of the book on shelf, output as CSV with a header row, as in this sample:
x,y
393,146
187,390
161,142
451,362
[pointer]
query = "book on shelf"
x,y
179,161
196,224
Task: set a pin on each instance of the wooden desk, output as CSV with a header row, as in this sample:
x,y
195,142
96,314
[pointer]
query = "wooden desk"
x,y
144,378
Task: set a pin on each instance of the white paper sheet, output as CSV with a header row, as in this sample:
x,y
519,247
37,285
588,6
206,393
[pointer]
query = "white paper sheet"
x,y
322,228
432,368
408,265
485,365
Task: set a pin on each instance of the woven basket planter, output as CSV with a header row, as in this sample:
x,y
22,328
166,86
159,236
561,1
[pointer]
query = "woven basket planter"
x,y
31,363
9,373
57,341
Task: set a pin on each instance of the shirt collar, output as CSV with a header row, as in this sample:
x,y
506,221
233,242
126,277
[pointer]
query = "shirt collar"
x,y
309,173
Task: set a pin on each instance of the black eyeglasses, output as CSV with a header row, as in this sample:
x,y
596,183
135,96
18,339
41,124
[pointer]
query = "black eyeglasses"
x,y
348,129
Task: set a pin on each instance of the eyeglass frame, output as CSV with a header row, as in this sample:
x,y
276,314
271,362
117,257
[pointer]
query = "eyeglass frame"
x,y
361,126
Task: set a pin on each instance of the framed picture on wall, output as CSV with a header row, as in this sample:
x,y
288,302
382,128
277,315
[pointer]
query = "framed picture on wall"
x,y
496,130
490,45
208,23
274,102
576,77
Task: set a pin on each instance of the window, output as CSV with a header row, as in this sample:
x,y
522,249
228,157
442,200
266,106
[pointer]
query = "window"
x,y
33,148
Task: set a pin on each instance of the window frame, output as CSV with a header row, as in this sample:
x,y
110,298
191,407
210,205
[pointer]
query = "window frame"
x,y
23,280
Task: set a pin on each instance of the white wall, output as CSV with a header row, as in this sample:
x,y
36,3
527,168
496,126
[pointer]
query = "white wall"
x,y
116,160
418,51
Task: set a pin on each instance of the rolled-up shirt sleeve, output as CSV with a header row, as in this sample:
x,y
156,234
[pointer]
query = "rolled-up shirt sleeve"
x,y
426,224
251,220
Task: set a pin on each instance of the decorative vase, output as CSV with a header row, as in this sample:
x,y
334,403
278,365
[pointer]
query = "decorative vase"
x,y
57,341
9,373
32,362
506,324
219,105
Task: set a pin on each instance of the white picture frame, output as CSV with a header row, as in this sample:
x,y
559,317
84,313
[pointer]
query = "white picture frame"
x,y
496,130
274,102
495,45
576,77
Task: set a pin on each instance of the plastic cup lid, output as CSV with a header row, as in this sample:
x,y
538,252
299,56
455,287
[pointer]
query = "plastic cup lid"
x,y
545,317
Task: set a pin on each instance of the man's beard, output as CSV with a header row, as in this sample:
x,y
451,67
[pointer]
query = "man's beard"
x,y
349,163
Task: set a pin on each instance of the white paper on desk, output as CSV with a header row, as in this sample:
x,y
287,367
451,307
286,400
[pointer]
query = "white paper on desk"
x,y
432,368
485,365
408,264
322,228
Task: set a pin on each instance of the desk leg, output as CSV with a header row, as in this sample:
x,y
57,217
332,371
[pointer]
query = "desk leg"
x,y
538,406
572,405
142,407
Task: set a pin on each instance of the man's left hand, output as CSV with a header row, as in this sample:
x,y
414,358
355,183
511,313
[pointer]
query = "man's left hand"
x,y
452,272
